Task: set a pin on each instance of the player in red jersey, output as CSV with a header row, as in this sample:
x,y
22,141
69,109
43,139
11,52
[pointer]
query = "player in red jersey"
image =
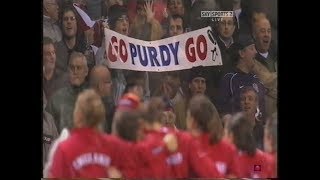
x,y
128,134
134,152
130,100
270,143
86,153
205,125
250,162
188,160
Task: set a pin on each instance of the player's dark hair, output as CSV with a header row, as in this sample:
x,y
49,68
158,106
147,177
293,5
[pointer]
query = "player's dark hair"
x,y
241,129
154,109
128,125
271,127
206,115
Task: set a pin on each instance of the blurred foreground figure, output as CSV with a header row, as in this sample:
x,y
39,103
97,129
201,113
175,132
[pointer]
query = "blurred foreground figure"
x,y
205,125
270,143
249,162
87,152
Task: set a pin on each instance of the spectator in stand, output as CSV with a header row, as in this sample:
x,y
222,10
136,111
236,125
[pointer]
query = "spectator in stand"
x,y
247,11
118,22
49,131
176,25
159,7
270,9
106,4
225,37
61,104
100,81
170,88
176,7
50,18
249,104
145,26
197,82
50,81
180,8
138,77
72,40
262,35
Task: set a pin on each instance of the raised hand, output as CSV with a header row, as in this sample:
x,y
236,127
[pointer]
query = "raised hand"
x,y
149,12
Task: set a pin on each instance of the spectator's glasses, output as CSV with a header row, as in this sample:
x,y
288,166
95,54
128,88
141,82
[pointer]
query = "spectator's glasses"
x,y
123,18
72,18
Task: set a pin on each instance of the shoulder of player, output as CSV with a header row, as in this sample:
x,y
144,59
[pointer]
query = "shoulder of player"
x,y
227,145
183,135
260,155
117,142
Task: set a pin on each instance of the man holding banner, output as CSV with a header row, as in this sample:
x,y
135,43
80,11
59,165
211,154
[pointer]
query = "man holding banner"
x,y
118,22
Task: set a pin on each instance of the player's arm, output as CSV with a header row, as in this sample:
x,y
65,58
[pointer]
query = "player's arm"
x,y
201,164
59,167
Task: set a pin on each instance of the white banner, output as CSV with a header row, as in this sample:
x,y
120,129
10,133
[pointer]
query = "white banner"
x,y
195,48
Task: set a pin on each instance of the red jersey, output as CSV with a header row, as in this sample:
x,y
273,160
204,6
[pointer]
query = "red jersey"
x,y
86,154
222,154
272,159
152,153
127,161
256,166
190,160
